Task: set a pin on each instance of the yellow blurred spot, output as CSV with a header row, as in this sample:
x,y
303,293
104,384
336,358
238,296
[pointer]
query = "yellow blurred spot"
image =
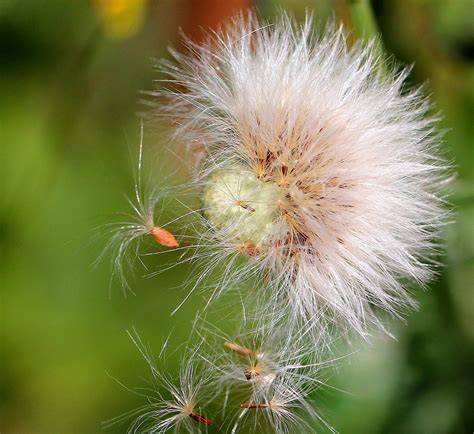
x,y
121,18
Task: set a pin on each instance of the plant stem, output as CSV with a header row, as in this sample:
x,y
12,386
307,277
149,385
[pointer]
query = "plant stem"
x,y
363,18
365,25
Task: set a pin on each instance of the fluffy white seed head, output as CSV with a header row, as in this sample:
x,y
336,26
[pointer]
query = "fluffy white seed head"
x,y
315,163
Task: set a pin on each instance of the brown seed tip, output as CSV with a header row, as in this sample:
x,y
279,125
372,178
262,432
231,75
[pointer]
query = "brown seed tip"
x,y
163,237
200,418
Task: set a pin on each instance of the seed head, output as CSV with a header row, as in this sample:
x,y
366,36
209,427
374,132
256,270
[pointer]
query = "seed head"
x,y
316,164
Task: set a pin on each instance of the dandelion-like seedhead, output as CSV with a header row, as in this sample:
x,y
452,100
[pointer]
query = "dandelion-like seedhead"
x,y
316,163
320,186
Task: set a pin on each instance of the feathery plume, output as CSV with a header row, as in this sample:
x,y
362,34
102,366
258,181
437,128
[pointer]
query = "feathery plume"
x,y
173,403
317,165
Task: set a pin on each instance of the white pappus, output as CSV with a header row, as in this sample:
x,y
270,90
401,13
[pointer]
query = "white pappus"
x,y
316,163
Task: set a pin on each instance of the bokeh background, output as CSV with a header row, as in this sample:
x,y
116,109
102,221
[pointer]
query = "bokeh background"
x,y
70,76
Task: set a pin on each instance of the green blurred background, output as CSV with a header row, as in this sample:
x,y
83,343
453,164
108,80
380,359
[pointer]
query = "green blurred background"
x,y
71,72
